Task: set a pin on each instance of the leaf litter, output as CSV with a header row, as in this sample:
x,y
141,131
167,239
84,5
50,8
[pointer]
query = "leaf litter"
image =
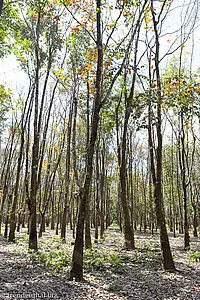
x,y
123,274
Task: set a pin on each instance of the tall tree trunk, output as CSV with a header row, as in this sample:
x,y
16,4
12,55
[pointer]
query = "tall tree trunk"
x,y
67,175
7,215
97,194
108,219
6,173
180,204
122,151
102,192
168,262
53,212
182,158
15,200
131,181
35,151
77,258
88,240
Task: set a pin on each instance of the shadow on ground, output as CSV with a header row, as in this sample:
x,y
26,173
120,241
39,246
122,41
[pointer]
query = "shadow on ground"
x,y
21,279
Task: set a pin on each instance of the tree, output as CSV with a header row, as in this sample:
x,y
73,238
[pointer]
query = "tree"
x,y
77,260
157,172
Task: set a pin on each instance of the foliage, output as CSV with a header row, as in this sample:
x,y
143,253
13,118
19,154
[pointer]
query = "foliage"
x,y
9,26
5,104
55,260
194,255
95,259
101,259
180,90
144,258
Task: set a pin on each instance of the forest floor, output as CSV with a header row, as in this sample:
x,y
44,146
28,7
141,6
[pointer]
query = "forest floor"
x,y
126,274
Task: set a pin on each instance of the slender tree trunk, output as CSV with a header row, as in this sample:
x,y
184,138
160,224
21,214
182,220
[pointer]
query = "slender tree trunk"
x,y
67,176
5,175
88,241
151,204
131,181
127,228
184,185
108,221
52,213
168,262
7,215
97,196
35,150
122,148
42,224
15,200
180,205
172,187
102,188
77,258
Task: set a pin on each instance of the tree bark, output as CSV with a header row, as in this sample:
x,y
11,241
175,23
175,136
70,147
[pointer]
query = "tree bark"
x,y
77,258
168,262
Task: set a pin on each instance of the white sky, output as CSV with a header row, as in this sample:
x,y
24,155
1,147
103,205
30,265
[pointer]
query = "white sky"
x,y
11,74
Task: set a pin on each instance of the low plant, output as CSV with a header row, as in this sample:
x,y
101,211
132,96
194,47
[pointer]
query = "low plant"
x,y
194,255
55,260
145,258
101,259
114,287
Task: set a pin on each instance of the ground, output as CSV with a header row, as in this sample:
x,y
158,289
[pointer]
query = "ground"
x,y
140,276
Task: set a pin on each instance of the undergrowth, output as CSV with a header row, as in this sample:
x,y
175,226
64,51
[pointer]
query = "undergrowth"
x,y
194,255
54,260
104,259
56,255
94,259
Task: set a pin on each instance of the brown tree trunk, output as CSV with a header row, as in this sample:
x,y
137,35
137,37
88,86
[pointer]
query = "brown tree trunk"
x,y
97,194
108,219
6,173
182,162
67,175
15,200
102,192
168,262
88,240
53,213
35,150
77,258
7,215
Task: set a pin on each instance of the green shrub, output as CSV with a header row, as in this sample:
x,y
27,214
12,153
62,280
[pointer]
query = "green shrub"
x,y
100,259
54,260
145,258
93,259
194,255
